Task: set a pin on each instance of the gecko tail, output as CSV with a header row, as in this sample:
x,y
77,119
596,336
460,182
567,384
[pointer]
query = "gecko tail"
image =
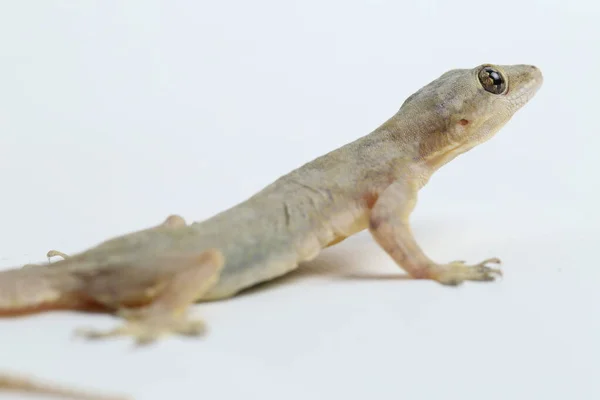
x,y
38,288
25,384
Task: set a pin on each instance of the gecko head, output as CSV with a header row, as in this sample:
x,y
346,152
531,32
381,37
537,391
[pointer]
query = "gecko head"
x,y
465,107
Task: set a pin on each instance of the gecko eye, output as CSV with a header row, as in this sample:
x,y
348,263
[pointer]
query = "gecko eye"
x,y
492,80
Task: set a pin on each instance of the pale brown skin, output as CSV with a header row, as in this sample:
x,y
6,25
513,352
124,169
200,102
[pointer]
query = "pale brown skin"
x,y
152,276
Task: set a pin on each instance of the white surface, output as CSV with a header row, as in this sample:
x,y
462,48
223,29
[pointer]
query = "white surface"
x,y
116,114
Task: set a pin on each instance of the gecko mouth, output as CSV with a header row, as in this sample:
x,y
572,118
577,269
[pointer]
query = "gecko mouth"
x,y
528,89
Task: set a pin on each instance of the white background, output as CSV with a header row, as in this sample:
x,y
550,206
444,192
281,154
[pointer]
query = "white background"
x,y
115,114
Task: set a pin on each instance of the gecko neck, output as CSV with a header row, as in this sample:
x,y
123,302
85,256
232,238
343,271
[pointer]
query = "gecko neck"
x,y
418,149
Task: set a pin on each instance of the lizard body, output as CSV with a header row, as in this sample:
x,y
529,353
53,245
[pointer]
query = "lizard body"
x,y
150,277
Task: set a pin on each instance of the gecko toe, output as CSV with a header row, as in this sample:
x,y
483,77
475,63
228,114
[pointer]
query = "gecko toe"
x,y
94,334
192,328
457,272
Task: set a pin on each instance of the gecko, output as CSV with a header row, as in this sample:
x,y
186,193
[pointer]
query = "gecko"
x,y
151,277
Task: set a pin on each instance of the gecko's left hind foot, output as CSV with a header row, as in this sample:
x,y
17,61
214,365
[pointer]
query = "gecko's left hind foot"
x,y
147,330
56,253
172,221
49,255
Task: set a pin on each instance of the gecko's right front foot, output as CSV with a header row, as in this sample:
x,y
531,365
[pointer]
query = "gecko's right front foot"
x,y
457,272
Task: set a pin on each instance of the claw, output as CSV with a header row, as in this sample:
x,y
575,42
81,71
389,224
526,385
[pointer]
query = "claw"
x,y
457,272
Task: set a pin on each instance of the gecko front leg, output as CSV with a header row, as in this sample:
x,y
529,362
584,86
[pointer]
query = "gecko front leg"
x,y
389,224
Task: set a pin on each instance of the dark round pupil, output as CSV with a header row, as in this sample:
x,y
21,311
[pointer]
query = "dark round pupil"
x,y
495,76
492,80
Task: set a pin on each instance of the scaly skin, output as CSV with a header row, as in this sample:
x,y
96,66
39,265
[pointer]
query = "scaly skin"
x,y
150,277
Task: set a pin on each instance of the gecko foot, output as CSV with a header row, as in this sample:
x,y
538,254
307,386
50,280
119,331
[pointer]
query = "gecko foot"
x,y
146,330
457,272
170,294
49,255
172,221
56,253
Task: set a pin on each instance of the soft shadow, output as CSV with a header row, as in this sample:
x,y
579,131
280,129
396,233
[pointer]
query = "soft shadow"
x,y
357,259
378,277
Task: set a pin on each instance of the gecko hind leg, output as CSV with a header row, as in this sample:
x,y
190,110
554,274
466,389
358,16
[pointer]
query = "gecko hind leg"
x,y
166,313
